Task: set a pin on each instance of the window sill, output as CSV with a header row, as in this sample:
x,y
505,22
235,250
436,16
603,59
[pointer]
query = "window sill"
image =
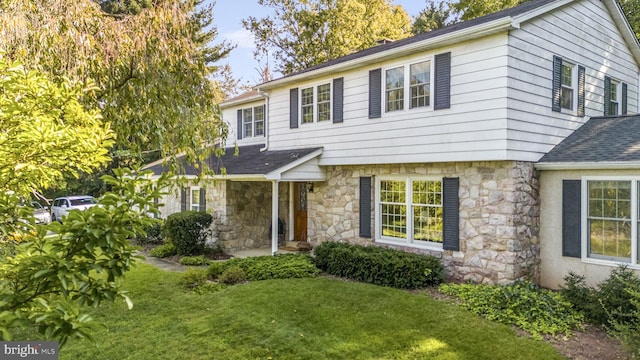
x,y
389,241
610,263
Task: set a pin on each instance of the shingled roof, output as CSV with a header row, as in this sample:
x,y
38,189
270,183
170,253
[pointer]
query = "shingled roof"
x,y
612,139
249,161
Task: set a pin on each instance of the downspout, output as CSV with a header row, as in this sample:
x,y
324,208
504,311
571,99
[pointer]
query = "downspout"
x,y
266,120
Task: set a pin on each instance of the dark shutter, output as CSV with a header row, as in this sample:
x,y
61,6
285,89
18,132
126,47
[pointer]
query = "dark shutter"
x,y
239,124
338,100
556,83
183,200
442,85
203,199
607,95
581,89
571,214
293,108
375,93
624,99
365,206
450,214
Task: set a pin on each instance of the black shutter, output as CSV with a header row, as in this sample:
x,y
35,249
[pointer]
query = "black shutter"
x,y
183,200
607,95
375,93
571,218
293,108
450,214
442,85
239,124
556,83
581,89
624,99
203,199
338,100
365,207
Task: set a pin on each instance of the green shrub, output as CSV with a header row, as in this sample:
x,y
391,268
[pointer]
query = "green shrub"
x,y
194,260
193,278
524,304
232,275
153,235
582,297
379,266
215,269
187,231
163,251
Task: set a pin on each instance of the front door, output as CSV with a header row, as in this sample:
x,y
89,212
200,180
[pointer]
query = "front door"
x,y
300,212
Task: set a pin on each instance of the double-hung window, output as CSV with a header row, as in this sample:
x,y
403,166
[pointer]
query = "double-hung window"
x,y
194,198
409,211
258,120
247,123
315,103
614,89
252,122
411,82
611,219
567,86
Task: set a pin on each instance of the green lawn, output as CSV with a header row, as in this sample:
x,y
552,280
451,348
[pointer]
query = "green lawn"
x,y
316,318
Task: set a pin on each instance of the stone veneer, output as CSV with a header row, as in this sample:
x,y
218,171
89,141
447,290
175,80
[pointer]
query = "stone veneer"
x,y
241,212
499,216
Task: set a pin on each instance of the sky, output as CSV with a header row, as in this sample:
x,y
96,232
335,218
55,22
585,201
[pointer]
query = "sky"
x,y
228,15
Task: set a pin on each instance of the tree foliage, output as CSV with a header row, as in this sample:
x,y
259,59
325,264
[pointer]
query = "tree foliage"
x,y
630,9
150,71
45,280
471,9
436,15
302,34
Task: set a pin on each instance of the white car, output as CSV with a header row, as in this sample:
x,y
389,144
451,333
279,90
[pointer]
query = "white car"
x,y
62,205
41,213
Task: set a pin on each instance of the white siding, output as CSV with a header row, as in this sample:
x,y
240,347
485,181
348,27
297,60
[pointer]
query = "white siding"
x,y
474,128
230,117
583,33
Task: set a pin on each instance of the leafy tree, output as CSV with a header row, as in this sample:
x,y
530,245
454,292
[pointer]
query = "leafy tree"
x,y
306,33
471,9
630,9
151,72
124,6
436,15
46,281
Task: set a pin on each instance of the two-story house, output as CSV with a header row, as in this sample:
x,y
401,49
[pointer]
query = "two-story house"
x,y
432,144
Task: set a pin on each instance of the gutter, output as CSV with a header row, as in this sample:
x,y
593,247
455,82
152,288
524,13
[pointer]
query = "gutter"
x,y
591,165
266,119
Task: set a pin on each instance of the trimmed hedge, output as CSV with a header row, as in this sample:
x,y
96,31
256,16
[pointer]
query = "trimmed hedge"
x,y
187,231
380,266
285,266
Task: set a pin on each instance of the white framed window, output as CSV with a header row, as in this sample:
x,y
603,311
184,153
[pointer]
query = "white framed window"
x,y
247,123
610,219
412,81
568,84
258,121
615,95
315,103
194,198
409,211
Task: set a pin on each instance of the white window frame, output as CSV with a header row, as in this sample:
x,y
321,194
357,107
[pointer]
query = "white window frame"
x,y
315,104
574,87
635,202
408,242
618,97
407,85
190,204
253,122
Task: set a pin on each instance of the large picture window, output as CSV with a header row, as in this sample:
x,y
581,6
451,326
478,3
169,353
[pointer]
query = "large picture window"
x,y
409,210
611,219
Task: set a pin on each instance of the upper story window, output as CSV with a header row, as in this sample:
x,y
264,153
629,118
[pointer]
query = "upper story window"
x,y
315,104
416,77
613,100
251,122
567,86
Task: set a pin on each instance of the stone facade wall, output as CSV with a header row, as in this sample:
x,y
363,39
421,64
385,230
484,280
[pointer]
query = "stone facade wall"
x,y
499,216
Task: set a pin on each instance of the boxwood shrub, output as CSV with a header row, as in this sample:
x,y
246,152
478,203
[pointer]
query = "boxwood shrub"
x,y
285,266
187,231
380,266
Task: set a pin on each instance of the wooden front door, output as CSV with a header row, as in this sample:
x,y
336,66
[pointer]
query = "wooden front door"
x,y
300,212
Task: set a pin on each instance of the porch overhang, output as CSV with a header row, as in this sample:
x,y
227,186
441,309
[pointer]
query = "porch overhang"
x,y
248,163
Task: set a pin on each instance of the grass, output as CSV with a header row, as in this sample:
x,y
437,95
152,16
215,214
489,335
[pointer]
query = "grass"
x,y
318,318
